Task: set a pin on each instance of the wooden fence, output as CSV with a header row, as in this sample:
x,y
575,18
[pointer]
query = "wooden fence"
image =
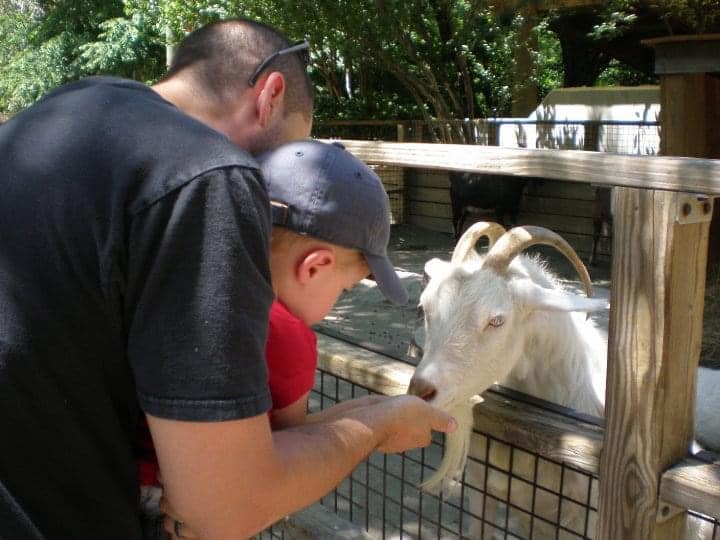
x,y
660,248
564,207
422,197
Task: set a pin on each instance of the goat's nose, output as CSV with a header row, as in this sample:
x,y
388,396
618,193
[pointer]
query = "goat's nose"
x,y
422,388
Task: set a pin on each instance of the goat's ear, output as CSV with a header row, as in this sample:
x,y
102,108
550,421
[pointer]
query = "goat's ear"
x,y
436,267
537,297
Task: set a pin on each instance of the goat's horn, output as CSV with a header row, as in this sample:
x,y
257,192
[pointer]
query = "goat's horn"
x,y
519,239
465,247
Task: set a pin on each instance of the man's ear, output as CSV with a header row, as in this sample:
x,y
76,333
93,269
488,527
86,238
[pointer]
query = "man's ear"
x,y
314,264
271,97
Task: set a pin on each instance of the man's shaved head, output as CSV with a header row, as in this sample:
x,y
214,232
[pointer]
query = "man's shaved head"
x,y
221,57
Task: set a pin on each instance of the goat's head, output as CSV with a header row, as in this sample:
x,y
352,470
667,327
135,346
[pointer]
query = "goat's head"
x,y
477,311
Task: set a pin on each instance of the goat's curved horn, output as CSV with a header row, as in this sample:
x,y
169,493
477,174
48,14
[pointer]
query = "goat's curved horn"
x,y
465,247
519,239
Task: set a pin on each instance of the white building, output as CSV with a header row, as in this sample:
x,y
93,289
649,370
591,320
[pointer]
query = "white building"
x,y
608,119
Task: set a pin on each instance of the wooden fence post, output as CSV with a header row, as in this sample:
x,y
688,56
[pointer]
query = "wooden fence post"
x,y
655,334
401,133
660,251
689,70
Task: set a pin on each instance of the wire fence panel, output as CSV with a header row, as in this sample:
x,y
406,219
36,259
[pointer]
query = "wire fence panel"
x,y
507,492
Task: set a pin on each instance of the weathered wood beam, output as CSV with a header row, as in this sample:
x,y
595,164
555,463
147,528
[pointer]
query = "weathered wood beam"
x,y
655,333
650,172
550,434
684,54
366,368
693,484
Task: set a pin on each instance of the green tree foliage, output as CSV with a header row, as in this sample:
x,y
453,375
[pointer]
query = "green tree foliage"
x,y
431,59
126,47
370,58
29,67
62,40
409,59
548,73
675,16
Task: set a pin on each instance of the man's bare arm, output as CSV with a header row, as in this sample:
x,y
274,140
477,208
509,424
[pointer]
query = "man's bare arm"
x,y
233,479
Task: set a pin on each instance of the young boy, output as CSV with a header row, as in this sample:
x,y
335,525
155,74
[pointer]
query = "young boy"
x,y
331,226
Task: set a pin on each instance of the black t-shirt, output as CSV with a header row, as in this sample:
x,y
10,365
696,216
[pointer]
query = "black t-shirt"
x,y
133,271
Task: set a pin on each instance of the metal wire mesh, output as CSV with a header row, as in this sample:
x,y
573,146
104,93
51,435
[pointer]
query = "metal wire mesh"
x,y
393,180
620,137
506,492
705,527
371,130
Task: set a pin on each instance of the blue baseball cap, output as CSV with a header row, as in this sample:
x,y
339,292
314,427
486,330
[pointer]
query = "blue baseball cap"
x,y
321,190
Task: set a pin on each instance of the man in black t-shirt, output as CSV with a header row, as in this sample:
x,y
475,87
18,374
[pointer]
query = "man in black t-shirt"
x,y
134,277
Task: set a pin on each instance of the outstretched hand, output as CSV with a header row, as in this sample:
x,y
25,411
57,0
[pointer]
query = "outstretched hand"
x,y
409,422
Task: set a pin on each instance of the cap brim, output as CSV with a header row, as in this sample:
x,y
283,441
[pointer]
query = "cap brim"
x,y
387,279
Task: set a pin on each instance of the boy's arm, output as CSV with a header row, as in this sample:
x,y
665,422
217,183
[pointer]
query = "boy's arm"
x,y
233,479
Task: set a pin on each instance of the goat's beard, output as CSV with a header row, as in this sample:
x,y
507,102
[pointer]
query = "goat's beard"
x,y
457,444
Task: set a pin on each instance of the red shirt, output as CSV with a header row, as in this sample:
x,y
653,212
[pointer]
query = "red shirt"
x,y
291,356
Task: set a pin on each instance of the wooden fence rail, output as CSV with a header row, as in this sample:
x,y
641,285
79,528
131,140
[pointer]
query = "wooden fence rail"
x,y
648,172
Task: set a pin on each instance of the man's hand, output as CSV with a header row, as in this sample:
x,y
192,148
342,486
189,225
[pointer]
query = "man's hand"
x,y
410,423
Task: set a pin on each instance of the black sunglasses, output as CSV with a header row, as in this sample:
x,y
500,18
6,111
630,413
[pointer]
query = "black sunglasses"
x,y
301,46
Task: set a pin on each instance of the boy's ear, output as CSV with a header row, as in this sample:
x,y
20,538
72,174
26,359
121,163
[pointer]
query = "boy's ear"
x,y
314,264
270,99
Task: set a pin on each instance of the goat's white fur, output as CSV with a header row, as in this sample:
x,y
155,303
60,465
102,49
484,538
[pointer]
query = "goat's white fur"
x,y
462,302
546,346
707,409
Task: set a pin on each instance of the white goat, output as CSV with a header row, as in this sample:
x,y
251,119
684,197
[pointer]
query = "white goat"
x,y
707,405
505,318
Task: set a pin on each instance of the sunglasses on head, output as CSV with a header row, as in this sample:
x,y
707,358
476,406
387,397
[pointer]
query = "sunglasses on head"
x,y
301,47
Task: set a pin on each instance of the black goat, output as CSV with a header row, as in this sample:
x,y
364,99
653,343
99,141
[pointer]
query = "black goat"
x,y
501,193
602,218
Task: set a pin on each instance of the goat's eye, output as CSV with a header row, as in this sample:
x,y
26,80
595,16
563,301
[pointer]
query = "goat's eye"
x,y
497,320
